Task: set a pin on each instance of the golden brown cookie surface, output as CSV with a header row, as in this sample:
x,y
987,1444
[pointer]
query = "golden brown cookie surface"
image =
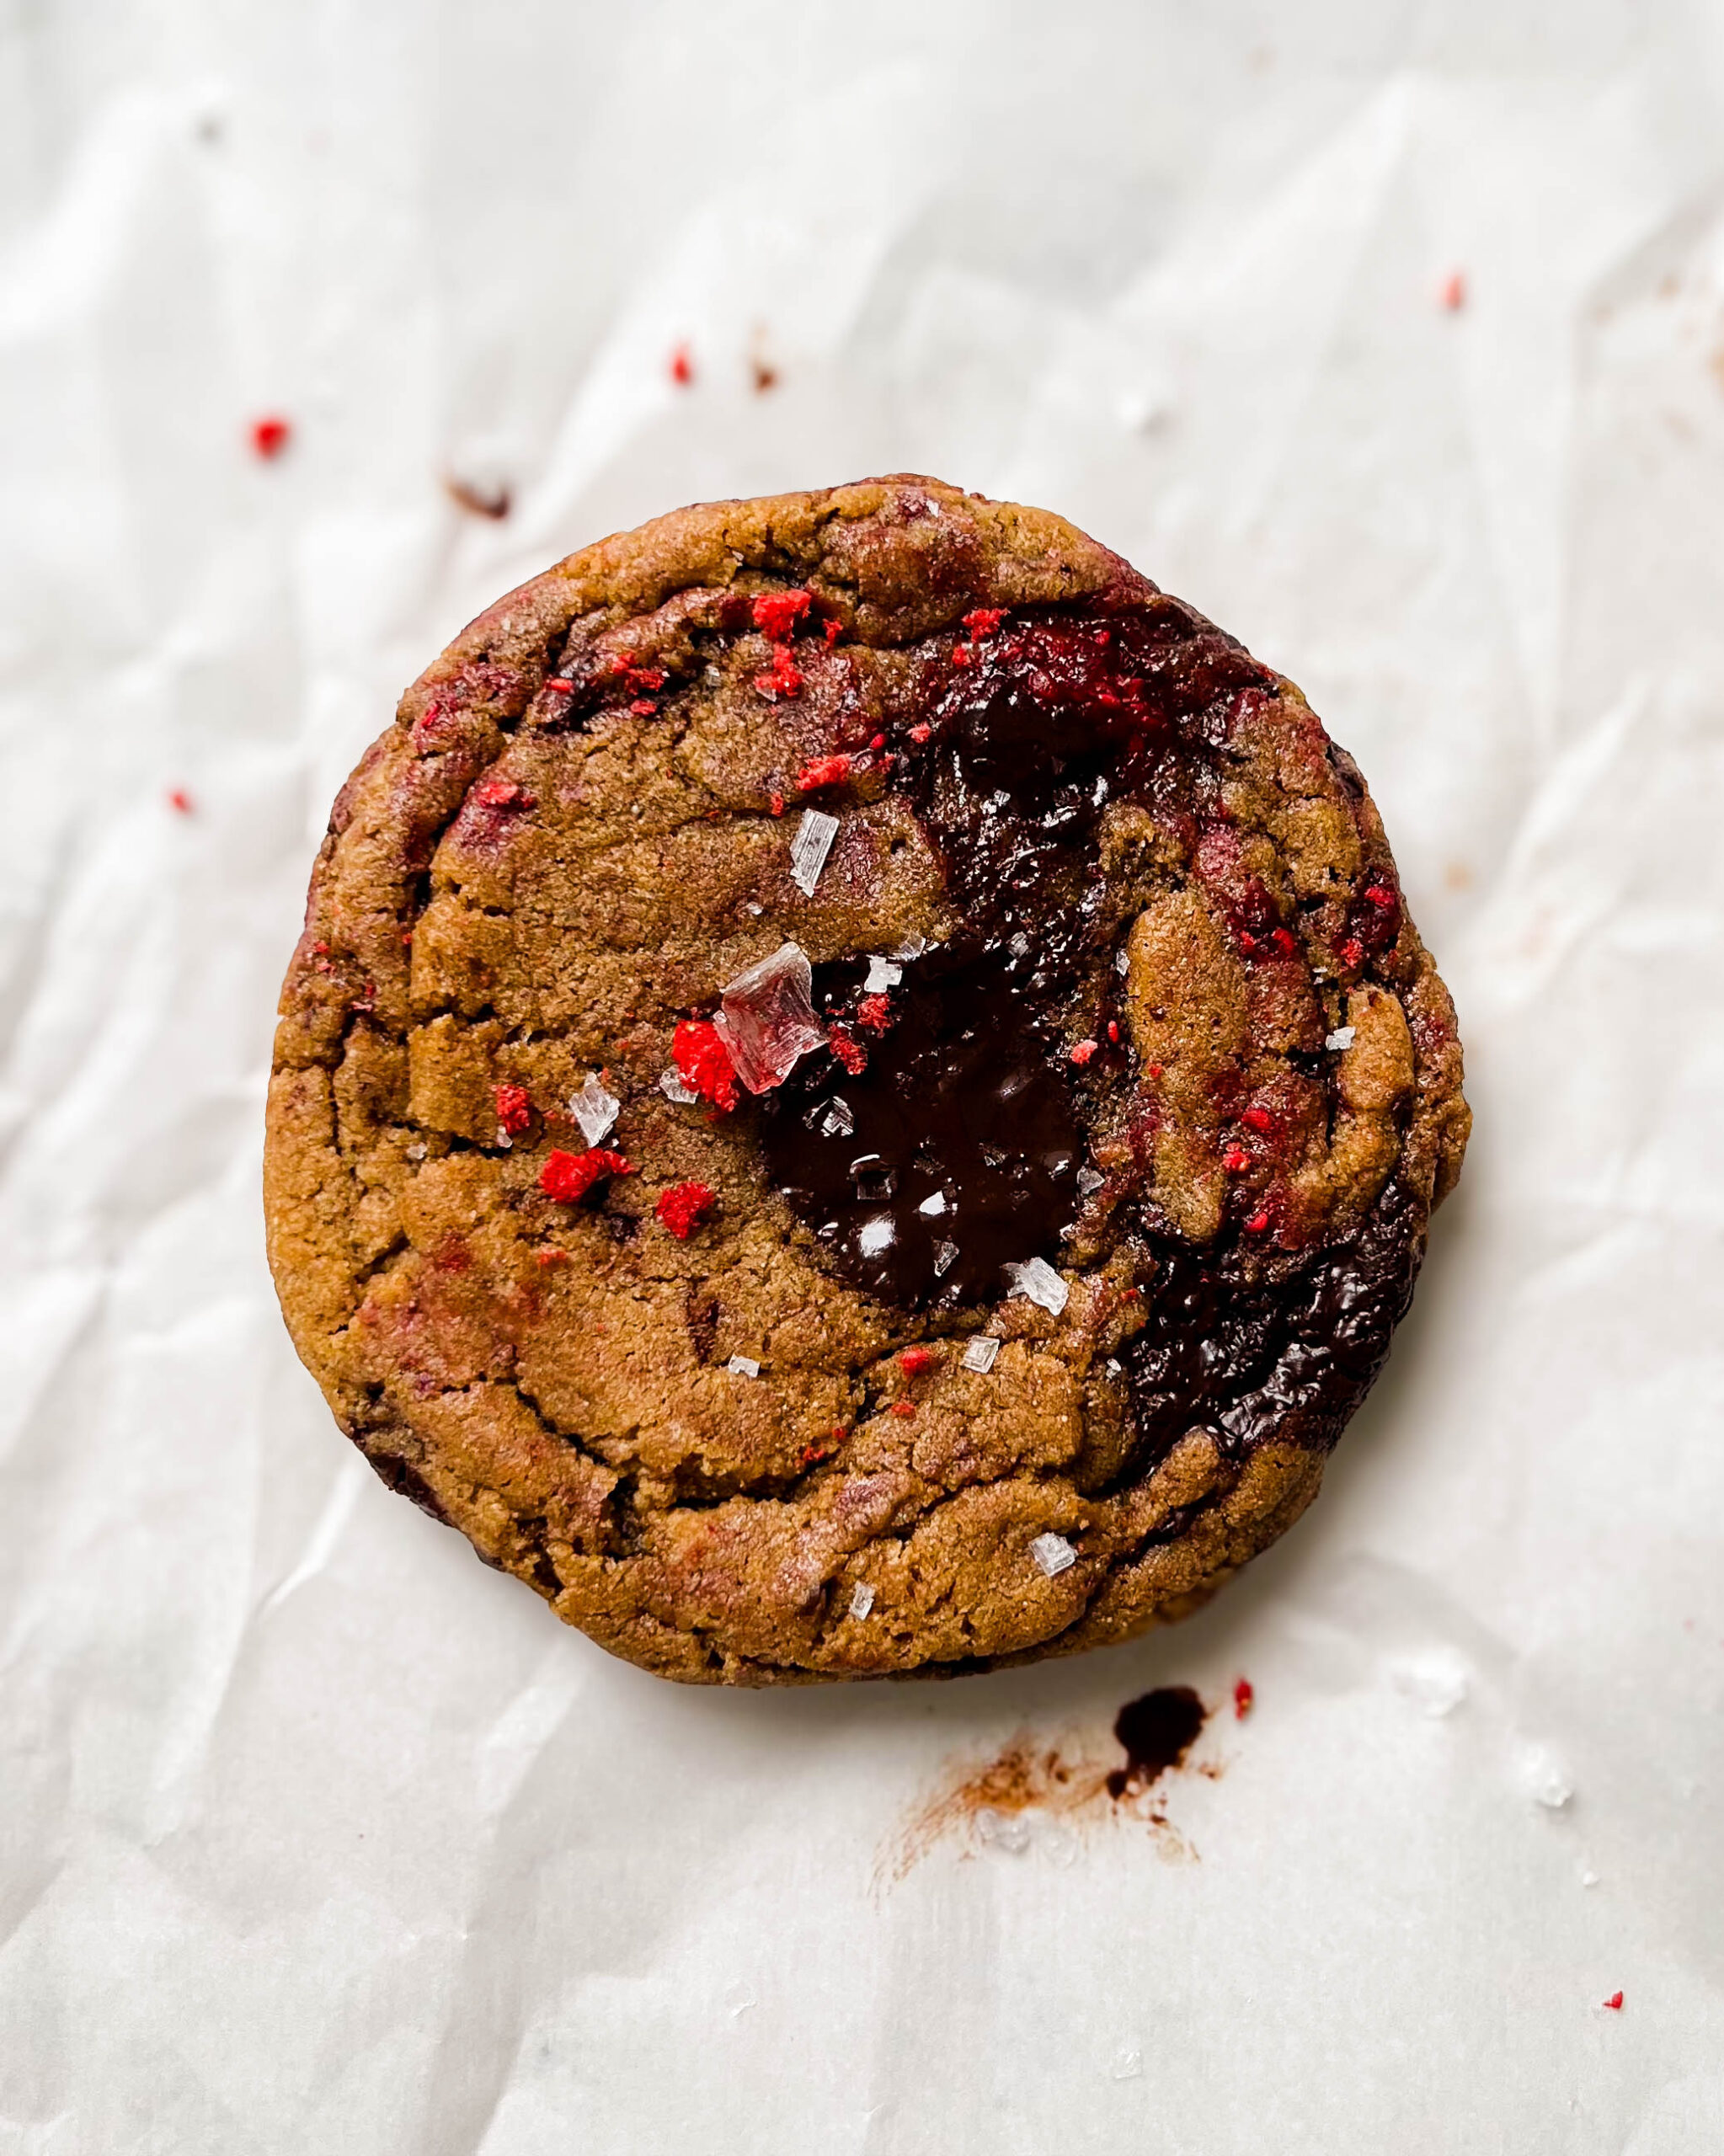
x,y
786,946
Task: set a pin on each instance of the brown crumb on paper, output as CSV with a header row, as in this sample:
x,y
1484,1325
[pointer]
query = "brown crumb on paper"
x,y
1080,1782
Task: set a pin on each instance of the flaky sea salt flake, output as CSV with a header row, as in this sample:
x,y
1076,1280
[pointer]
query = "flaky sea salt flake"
x,y
877,1235
980,1354
1342,1038
934,1206
861,1600
594,1110
1002,1830
1089,1181
671,1086
766,1020
1041,1283
839,1121
945,1258
882,975
743,1366
808,849
1053,1555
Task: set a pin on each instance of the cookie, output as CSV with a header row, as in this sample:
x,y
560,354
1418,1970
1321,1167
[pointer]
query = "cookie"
x,y
858,1095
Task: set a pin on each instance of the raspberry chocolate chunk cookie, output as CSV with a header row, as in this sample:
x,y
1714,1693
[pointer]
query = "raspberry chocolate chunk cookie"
x,y
858,1095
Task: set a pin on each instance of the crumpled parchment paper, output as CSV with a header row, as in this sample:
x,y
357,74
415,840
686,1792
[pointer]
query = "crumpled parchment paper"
x,y
315,1835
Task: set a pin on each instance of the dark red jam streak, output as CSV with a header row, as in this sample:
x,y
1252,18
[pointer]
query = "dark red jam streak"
x,y
969,1094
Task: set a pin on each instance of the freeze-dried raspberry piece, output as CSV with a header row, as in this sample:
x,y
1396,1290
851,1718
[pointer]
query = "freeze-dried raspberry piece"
x,y
514,1110
703,1064
683,1207
568,1176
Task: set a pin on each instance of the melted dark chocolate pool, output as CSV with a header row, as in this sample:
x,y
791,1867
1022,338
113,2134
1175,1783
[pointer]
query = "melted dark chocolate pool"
x,y
1156,1732
969,1104
956,1152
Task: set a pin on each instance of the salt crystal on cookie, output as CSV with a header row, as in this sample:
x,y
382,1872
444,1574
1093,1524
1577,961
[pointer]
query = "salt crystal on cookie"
x,y
809,847
594,1109
1040,1283
766,1018
1053,1555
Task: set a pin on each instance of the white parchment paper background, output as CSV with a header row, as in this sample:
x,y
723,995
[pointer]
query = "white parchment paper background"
x,y
314,1835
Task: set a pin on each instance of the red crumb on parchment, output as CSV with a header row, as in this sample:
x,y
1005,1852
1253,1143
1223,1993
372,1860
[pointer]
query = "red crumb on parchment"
x,y
1453,293
270,436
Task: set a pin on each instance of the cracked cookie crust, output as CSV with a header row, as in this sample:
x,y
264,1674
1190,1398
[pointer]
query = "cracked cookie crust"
x,y
858,1095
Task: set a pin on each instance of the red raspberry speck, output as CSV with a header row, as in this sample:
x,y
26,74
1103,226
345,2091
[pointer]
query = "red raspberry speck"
x,y
850,1053
812,1455
962,655
833,631
906,1408
1235,1160
1256,1224
1454,292
1379,895
270,436
1155,1070
784,680
776,613
915,1360
1614,2003
1285,942
875,1012
1353,952
1083,1050
641,709
683,1207
1257,1120
682,366
551,1256
702,1063
1244,1698
514,1110
777,803
1247,942
181,802
568,1176
921,733
1112,1029
559,685
984,620
501,794
823,770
